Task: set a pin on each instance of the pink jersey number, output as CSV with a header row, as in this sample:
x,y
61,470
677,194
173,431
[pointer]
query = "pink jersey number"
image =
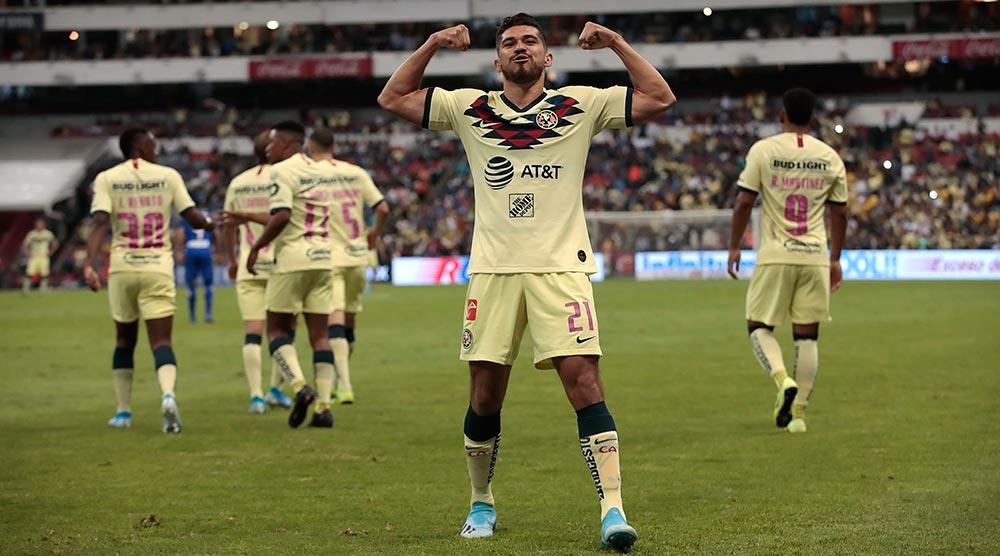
x,y
577,313
797,212
311,227
345,210
152,230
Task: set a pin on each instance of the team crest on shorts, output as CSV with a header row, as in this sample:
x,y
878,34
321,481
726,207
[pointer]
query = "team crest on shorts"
x,y
546,119
466,338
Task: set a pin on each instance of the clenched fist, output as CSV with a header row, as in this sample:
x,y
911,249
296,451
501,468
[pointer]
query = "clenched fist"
x,y
595,37
456,38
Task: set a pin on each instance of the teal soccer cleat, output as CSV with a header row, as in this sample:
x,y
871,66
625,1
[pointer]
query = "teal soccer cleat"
x,y
277,398
121,420
616,532
481,521
257,406
171,416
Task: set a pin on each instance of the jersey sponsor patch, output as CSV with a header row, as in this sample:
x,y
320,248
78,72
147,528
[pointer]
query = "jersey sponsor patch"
x,y
499,173
522,205
470,309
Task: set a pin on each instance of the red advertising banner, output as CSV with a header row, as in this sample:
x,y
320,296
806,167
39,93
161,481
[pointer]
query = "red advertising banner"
x,y
329,67
954,48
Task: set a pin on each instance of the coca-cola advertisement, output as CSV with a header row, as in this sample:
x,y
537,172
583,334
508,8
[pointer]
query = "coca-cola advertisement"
x,y
311,68
957,49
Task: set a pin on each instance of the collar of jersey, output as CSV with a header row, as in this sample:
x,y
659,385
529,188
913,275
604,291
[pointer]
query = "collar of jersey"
x,y
530,105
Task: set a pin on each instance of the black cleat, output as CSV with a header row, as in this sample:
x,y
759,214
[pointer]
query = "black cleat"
x,y
303,399
783,403
322,419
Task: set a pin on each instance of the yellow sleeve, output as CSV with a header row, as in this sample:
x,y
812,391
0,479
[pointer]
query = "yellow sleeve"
x,y
440,109
281,192
182,199
369,191
102,196
612,108
750,177
838,194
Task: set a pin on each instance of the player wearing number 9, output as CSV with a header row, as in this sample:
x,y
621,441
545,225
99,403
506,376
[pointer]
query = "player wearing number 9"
x,y
797,177
135,199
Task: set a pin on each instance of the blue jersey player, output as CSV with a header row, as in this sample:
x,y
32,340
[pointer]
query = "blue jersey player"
x,y
199,246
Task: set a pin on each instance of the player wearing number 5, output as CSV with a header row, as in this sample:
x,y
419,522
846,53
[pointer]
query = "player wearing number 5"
x,y
797,176
353,191
531,254
136,199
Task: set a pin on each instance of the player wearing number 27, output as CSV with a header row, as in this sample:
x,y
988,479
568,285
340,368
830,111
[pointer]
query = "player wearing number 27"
x,y
136,198
797,176
527,148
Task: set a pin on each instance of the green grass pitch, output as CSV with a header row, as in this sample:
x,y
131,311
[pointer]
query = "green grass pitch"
x,y
902,455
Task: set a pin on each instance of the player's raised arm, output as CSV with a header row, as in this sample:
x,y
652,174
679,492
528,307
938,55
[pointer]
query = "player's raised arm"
x,y
652,94
402,94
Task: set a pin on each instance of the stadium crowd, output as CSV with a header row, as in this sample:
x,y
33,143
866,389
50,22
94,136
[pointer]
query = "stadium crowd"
x,y
676,27
908,190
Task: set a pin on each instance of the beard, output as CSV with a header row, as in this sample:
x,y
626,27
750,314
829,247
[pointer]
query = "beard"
x,y
522,74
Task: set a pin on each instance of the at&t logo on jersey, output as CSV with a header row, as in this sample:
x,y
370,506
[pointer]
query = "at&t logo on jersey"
x,y
522,205
499,173
470,309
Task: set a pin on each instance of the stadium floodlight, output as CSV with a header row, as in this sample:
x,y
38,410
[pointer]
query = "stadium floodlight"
x,y
73,35
244,26
273,24
707,11
838,128
887,165
933,195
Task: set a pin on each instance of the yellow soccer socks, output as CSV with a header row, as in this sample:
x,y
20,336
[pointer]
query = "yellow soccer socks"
x,y
482,442
123,370
599,444
768,354
323,366
287,360
342,355
166,369
806,369
252,364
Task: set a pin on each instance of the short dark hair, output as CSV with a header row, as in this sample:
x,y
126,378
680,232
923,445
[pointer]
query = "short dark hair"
x,y
799,104
129,138
519,19
322,138
291,126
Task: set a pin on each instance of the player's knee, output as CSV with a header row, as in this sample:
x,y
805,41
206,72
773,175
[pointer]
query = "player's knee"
x,y
751,326
164,355
123,358
487,398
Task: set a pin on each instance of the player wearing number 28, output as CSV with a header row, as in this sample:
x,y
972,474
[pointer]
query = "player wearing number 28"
x,y
137,198
527,147
797,176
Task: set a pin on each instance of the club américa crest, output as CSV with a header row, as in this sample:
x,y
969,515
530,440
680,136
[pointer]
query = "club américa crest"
x,y
546,119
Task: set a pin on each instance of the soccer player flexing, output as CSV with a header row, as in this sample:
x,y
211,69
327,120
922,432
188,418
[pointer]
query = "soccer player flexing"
x,y
246,205
135,198
527,147
797,176
39,245
351,249
301,280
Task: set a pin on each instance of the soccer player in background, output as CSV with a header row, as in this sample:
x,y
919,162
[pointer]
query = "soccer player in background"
x,y
531,254
301,280
797,177
196,249
39,246
135,199
245,215
352,242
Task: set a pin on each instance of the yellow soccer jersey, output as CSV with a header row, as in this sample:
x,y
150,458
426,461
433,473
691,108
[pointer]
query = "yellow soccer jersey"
x,y
353,190
38,243
305,186
528,166
797,175
251,192
138,197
